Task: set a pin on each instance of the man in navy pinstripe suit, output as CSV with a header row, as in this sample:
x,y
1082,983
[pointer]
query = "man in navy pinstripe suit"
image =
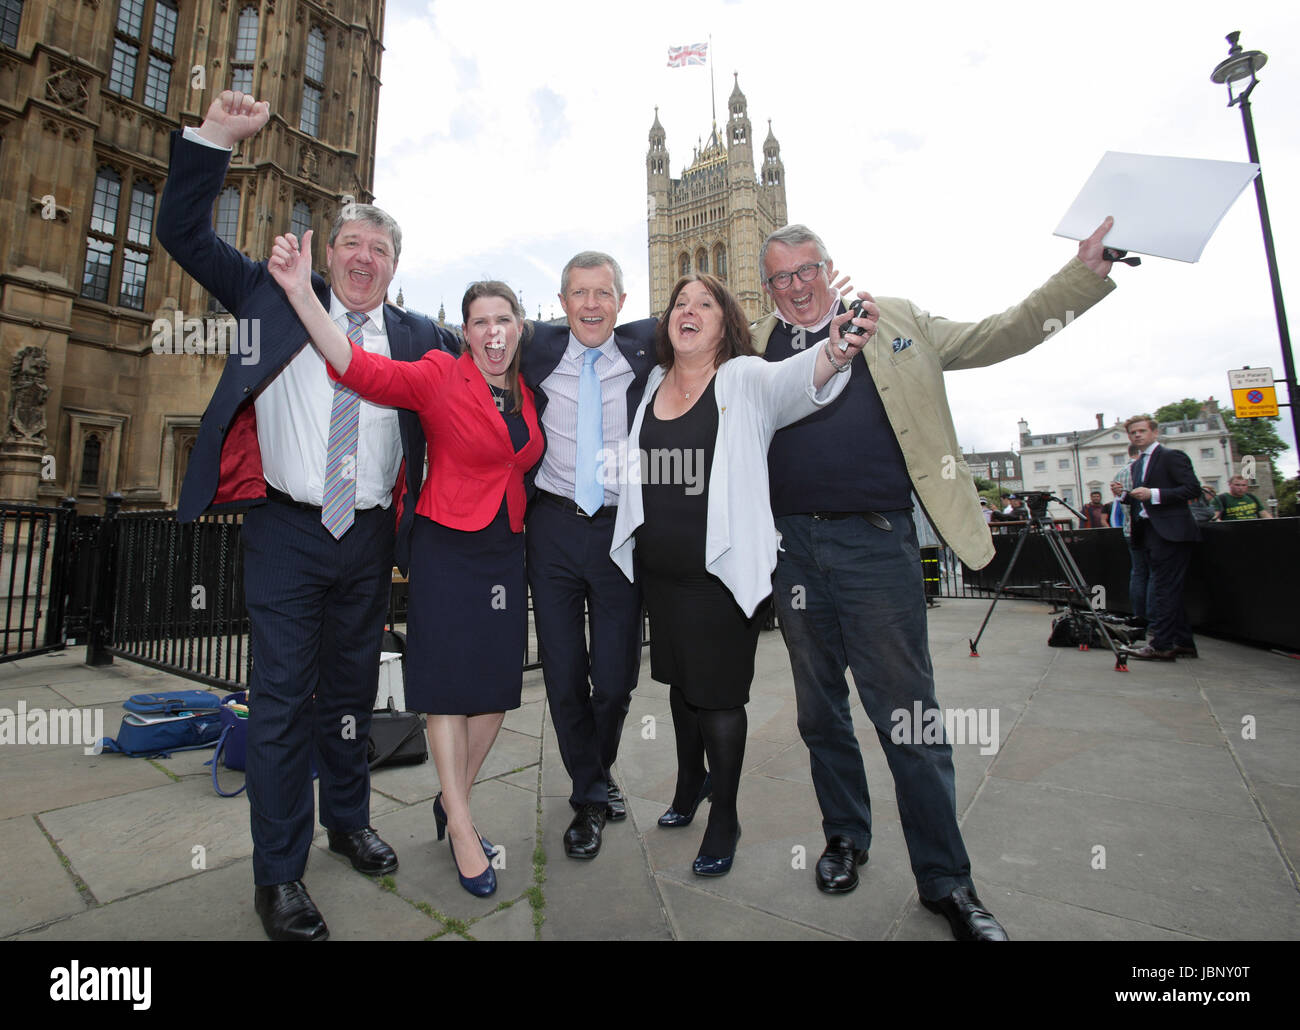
x,y
316,595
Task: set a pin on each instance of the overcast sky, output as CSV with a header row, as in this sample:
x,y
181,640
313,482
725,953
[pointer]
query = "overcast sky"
x,y
934,149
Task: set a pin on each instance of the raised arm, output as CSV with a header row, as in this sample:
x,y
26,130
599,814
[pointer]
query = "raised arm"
x,y
198,171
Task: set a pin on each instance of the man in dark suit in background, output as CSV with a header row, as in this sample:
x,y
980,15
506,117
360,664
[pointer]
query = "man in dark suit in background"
x,y
279,439
588,382
1162,482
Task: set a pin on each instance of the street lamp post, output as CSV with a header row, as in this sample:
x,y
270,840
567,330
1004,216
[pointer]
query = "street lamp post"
x,y
1238,67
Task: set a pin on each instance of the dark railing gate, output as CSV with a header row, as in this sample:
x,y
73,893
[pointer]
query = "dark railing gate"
x,y
140,586
35,548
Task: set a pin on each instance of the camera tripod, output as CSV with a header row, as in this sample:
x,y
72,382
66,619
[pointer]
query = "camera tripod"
x,y
1079,593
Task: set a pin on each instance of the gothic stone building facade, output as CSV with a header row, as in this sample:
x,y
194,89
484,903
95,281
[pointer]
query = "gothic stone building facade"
x,y
715,217
90,91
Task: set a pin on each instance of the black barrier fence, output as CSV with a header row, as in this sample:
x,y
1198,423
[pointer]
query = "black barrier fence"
x,y
34,569
1241,582
178,596
171,596
141,586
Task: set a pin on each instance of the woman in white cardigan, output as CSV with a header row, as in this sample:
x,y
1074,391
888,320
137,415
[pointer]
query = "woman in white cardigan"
x,y
694,506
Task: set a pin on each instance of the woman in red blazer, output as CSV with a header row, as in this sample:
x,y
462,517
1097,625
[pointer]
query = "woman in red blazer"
x,y
467,620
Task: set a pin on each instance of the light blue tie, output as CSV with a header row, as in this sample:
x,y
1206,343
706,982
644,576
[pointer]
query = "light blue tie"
x,y
338,505
588,489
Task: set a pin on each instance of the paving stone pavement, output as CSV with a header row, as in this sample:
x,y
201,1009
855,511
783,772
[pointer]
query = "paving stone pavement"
x,y
1158,804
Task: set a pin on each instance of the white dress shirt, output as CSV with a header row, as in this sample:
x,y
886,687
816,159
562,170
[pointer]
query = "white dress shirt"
x,y
560,419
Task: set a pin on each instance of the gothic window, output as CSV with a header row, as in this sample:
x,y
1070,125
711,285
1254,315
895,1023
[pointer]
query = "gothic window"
x,y
313,87
135,24
162,49
720,261
104,235
227,223
139,236
702,260
241,67
684,265
11,13
300,221
90,462
99,241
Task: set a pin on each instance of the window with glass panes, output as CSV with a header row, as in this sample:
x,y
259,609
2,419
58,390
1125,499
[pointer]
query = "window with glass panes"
x,y
241,67
313,86
138,21
105,232
300,221
11,13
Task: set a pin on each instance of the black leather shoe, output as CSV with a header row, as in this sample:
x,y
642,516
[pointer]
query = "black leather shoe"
x,y
582,838
837,869
617,808
367,852
288,913
1186,651
966,914
1150,654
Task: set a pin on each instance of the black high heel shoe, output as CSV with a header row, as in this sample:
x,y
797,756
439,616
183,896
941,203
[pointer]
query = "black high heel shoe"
x,y
673,818
704,865
440,821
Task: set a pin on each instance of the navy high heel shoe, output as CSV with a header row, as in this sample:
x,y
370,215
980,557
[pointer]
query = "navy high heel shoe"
x,y
440,821
706,866
673,818
480,886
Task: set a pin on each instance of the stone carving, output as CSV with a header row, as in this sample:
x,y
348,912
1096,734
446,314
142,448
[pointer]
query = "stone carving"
x,y
67,89
27,393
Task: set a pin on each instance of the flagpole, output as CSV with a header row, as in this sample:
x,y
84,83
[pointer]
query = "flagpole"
x,y
713,95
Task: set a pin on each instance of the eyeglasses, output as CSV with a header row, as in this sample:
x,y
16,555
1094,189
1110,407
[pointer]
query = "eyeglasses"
x,y
806,273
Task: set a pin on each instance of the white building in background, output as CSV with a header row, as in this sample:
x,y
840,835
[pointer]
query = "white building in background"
x,y
1073,464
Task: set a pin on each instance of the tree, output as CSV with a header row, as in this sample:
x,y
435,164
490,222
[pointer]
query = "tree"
x,y
1286,498
1253,436
1178,410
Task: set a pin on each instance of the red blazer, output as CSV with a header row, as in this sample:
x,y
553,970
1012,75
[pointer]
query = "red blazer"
x,y
471,460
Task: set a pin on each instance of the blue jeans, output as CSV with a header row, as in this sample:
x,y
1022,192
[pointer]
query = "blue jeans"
x,y
850,595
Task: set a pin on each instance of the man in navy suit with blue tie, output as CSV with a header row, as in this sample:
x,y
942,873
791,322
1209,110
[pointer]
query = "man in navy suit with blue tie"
x,y
588,382
329,483
1161,483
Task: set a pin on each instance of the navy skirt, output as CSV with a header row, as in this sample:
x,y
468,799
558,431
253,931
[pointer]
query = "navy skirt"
x,y
467,621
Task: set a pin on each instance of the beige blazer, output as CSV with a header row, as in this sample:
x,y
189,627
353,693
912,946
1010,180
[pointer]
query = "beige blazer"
x,y
907,358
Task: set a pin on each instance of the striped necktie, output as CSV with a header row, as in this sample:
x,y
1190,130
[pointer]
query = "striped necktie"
x,y
338,506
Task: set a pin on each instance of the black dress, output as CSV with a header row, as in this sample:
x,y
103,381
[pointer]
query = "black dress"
x,y
467,625
700,640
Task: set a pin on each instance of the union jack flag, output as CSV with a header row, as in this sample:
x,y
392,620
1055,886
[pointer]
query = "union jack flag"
x,y
681,56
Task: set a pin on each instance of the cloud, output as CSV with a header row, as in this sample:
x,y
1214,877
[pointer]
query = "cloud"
x,y
935,160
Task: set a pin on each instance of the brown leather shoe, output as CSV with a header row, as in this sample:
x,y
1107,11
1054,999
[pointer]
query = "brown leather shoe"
x,y
1150,654
1186,650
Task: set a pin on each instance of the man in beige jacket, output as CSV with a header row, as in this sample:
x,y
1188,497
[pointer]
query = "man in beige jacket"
x,y
848,582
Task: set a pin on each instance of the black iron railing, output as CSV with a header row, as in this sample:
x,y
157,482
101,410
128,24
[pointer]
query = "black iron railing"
x,y
34,564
